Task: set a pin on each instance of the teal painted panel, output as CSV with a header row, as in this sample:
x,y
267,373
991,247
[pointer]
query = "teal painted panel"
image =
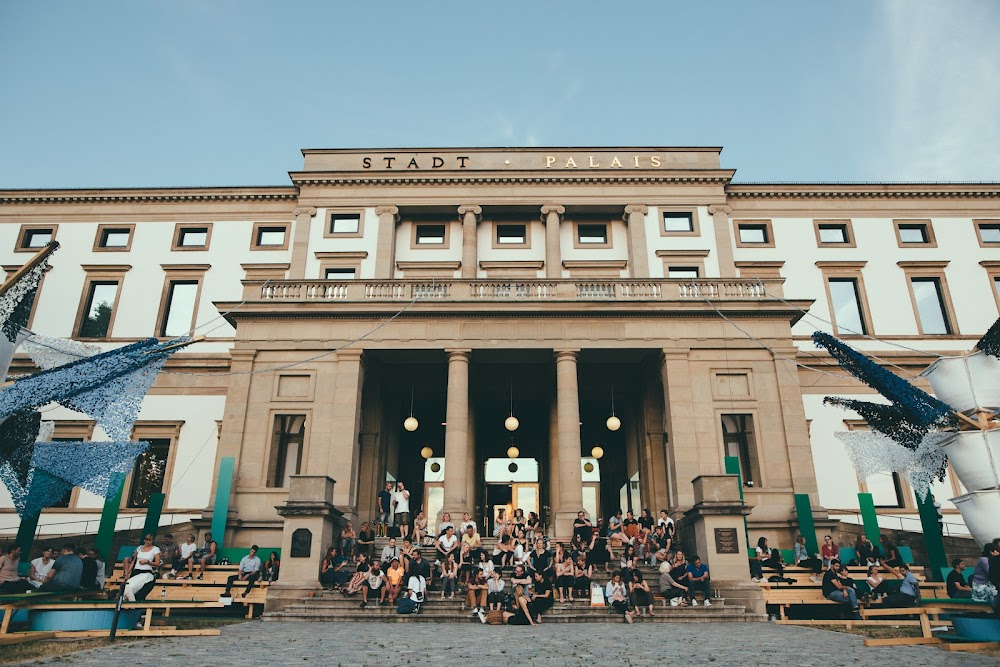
x,y
109,519
932,533
68,620
807,526
223,489
26,537
733,468
153,512
869,516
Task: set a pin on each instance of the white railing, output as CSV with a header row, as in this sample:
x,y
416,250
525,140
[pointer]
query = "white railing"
x,y
598,289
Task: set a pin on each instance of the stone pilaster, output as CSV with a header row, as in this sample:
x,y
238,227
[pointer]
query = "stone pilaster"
x,y
456,435
552,214
678,406
385,251
344,455
570,477
470,214
724,243
300,241
635,216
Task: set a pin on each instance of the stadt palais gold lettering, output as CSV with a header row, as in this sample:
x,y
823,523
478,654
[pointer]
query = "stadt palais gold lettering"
x,y
598,161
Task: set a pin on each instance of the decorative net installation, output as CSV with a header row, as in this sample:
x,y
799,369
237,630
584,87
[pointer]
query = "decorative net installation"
x,y
89,465
109,386
15,303
48,352
918,407
990,342
886,419
18,434
872,453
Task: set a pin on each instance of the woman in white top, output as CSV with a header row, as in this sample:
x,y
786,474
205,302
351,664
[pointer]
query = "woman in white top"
x,y
419,528
142,566
40,568
617,595
485,564
401,500
877,584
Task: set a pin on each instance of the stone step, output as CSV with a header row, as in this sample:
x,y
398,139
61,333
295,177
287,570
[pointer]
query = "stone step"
x,y
384,614
353,606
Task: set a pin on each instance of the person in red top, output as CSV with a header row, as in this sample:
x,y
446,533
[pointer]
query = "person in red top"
x,y
828,550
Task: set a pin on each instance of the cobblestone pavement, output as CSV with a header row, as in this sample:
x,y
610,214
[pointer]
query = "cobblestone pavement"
x,y
461,645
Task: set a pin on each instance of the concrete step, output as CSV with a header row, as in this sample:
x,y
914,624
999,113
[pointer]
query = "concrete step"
x,y
385,614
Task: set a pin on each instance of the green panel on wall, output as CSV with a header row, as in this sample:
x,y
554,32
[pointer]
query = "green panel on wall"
x,y
869,516
153,512
803,509
223,488
109,518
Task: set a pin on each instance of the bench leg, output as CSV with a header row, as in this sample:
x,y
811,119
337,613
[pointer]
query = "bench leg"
x,y
149,620
8,613
925,625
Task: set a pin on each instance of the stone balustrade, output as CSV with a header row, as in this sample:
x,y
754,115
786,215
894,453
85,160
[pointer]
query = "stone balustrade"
x,y
506,291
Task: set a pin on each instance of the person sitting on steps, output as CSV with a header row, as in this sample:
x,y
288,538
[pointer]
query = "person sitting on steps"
x,y
957,587
249,572
477,595
836,589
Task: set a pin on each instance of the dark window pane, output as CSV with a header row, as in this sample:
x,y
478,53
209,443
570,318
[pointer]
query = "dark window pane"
x,y
271,236
930,306
989,233
344,223
37,238
753,234
115,238
430,234
677,222
593,233
99,308
833,234
286,448
149,472
913,233
193,237
514,234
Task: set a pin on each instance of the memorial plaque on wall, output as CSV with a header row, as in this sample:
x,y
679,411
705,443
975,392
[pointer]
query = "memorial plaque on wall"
x,y
302,543
726,541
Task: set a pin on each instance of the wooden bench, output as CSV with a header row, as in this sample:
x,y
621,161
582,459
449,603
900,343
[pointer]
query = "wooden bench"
x,y
208,589
9,604
930,610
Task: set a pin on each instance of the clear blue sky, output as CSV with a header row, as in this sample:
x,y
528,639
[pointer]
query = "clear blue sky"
x,y
192,92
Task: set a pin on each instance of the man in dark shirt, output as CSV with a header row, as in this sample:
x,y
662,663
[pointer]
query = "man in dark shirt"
x,y
419,566
957,587
66,572
582,528
384,506
835,590
88,577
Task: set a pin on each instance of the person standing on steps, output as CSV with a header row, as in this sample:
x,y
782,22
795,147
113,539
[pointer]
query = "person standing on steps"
x,y
383,505
401,502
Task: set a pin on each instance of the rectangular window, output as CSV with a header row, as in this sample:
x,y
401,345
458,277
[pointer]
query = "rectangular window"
x,y
149,473
677,221
339,274
511,234
753,234
35,238
931,311
846,304
914,232
989,233
99,309
178,316
345,223
682,272
114,238
738,440
996,287
430,234
835,234
591,234
287,442
193,237
886,490
270,236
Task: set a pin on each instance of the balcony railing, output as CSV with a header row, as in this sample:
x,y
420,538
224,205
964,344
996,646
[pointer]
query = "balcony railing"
x,y
507,291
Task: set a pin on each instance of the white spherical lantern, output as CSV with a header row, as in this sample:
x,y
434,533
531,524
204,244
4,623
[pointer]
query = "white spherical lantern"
x,y
511,423
427,452
597,452
614,423
513,452
410,424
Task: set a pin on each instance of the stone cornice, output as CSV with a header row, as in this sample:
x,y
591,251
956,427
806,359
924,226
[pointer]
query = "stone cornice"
x,y
146,195
863,190
709,177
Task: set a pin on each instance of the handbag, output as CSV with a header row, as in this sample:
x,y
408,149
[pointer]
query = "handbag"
x,y
494,617
596,596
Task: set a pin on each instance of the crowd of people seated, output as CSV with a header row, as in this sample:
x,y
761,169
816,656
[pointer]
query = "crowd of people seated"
x,y
523,574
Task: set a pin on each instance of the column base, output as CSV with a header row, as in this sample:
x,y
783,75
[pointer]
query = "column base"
x,y
562,524
280,594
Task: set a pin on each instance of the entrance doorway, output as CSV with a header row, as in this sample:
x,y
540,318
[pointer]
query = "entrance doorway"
x,y
511,484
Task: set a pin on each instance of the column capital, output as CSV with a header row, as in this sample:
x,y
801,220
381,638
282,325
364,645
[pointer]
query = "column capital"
x,y
457,354
350,354
567,354
641,209
387,209
558,209
470,208
719,208
304,210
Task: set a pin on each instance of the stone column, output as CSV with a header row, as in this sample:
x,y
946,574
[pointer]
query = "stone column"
x,y
552,214
311,523
635,216
568,408
385,251
554,470
470,215
300,241
723,239
344,453
679,412
234,422
456,435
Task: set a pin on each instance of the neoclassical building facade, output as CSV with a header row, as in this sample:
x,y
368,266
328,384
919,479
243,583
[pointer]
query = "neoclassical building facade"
x,y
640,316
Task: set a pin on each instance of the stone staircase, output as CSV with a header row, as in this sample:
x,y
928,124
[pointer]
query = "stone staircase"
x,y
334,606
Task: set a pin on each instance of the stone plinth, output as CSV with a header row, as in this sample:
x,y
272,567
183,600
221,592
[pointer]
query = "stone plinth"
x,y
308,512
717,523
